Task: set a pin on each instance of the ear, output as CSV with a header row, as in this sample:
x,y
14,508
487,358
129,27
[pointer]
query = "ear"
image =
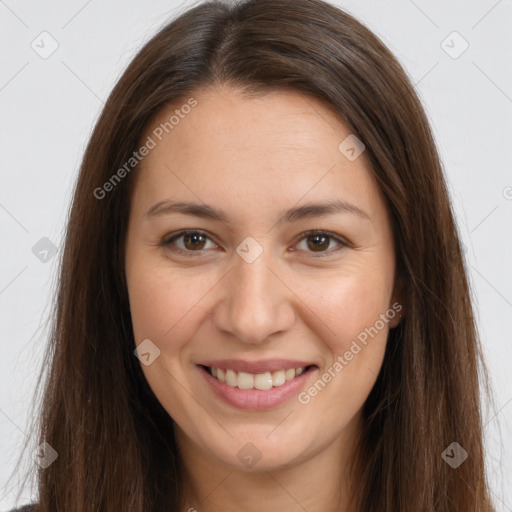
x,y
396,307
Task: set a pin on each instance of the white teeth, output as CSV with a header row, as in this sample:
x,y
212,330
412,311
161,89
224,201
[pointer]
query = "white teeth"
x,y
245,380
278,378
231,378
290,374
261,381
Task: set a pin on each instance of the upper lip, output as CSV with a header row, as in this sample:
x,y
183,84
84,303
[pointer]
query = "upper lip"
x,y
261,366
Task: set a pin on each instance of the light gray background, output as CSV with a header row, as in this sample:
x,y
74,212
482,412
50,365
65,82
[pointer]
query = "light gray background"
x,y
48,108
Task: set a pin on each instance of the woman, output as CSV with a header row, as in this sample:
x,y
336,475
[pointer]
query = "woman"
x,y
262,299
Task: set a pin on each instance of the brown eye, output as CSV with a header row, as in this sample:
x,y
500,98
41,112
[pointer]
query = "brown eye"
x,y
194,241
319,241
188,242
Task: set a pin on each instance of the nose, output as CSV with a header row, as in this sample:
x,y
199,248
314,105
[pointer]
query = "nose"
x,y
256,303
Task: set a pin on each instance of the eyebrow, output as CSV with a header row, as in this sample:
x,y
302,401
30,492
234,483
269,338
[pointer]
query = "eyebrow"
x,y
306,211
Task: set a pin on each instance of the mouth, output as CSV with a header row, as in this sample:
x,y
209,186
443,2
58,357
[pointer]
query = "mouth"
x,y
260,391
261,381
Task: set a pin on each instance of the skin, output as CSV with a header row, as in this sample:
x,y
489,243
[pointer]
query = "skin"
x,y
255,158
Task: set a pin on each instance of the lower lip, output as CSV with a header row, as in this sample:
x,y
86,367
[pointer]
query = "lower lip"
x,y
255,399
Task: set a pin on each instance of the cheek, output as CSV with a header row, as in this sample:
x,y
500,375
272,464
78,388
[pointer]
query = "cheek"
x,y
164,303
351,303
353,306
353,359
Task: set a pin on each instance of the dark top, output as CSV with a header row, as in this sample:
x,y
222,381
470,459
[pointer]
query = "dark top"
x,y
26,508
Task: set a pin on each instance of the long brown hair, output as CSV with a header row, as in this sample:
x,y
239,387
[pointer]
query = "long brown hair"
x,y
115,443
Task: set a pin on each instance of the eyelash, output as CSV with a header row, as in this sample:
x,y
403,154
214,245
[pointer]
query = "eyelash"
x,y
167,242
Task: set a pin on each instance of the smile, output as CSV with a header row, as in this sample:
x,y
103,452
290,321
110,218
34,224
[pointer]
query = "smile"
x,y
255,391
261,381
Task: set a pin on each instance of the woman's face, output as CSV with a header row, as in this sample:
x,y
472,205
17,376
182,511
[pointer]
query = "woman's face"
x,y
250,292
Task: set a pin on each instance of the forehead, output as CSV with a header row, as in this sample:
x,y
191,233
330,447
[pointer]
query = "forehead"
x,y
258,151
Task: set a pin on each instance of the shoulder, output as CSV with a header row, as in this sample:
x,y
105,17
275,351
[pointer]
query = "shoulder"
x,y
26,508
